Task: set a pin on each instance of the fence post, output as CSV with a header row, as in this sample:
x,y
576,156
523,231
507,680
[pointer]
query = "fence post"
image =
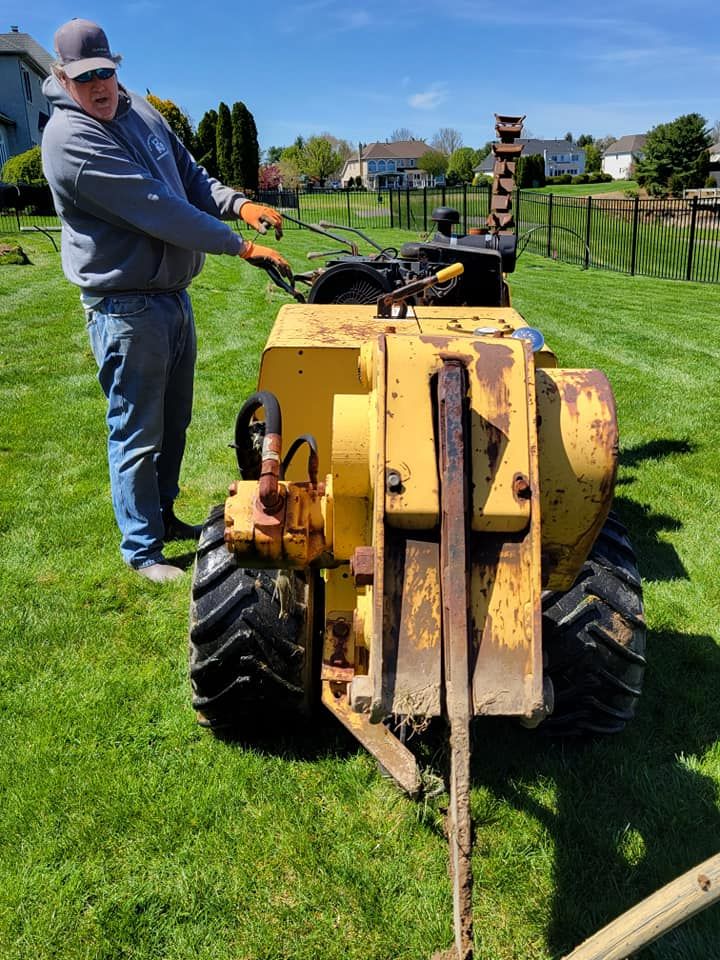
x,y
425,209
489,198
516,201
297,199
347,197
443,196
17,217
691,239
588,221
549,224
392,212
407,204
464,207
633,242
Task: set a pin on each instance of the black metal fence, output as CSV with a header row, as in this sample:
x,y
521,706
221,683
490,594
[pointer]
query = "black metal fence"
x,y
673,239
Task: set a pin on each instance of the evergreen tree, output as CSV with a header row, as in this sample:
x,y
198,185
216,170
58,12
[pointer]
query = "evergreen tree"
x,y
245,150
250,159
238,142
675,156
223,145
530,171
205,146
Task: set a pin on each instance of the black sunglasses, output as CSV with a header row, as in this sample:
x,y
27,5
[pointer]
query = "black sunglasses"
x,y
103,73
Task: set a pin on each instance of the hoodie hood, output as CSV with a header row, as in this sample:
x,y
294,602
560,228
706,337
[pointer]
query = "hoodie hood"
x,y
138,214
60,99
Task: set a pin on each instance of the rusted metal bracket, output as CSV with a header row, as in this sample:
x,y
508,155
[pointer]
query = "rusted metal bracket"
x,y
377,740
452,390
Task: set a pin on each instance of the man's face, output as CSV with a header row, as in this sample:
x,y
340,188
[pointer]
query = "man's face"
x,y
99,98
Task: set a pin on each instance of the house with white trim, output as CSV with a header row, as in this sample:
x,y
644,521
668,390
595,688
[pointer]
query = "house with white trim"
x,y
619,158
559,156
389,165
24,110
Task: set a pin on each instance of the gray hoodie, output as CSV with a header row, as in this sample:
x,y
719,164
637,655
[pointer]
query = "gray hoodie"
x,y
138,214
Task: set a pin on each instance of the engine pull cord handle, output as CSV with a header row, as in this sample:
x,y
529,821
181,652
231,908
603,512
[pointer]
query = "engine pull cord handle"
x,y
386,301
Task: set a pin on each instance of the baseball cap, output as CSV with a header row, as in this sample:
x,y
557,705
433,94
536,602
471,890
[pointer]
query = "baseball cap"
x,y
82,45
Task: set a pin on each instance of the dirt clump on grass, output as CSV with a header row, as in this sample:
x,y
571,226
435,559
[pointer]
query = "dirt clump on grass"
x,y
13,253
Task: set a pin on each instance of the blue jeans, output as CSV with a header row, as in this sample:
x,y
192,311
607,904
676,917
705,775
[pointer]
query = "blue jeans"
x,y
145,350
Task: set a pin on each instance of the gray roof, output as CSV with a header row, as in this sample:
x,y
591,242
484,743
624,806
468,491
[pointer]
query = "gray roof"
x,y
631,143
23,45
395,150
530,148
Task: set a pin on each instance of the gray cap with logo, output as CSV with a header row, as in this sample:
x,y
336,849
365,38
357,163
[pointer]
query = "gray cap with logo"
x,y
81,45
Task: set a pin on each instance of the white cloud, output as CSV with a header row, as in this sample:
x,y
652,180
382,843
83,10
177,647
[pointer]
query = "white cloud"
x,y
429,99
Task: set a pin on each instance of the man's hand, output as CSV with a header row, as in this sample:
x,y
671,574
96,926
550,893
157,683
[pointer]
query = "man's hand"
x,y
261,217
265,257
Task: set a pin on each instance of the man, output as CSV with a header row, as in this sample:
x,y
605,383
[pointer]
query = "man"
x,y
138,215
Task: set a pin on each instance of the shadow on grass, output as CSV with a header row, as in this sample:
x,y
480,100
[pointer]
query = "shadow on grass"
x,y
311,738
657,559
631,812
654,450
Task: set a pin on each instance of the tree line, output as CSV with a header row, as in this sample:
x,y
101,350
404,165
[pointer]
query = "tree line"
x,y
225,142
675,156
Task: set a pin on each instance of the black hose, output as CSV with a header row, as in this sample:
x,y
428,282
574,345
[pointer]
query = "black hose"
x,y
248,453
312,458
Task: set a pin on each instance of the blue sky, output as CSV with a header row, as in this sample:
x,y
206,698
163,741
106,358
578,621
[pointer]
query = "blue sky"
x,y
362,69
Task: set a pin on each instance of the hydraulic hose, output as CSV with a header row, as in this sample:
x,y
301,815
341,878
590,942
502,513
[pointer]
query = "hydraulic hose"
x,y
264,466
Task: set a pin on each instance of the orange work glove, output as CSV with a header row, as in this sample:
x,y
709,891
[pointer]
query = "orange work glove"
x,y
261,217
265,257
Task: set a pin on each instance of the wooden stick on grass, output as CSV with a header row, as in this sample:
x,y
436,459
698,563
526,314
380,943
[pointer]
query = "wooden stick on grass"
x,y
644,923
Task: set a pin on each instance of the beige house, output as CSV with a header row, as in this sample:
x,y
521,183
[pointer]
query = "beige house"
x,y
392,164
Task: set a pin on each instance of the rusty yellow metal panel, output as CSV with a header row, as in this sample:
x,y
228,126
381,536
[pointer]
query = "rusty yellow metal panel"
x,y
381,644
312,354
506,593
500,435
578,445
497,370
412,613
350,470
305,379
411,479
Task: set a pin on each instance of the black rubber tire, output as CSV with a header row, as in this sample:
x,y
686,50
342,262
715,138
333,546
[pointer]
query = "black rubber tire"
x,y
246,654
594,641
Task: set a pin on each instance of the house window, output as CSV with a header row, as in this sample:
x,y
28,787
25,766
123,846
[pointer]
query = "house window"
x,y
391,165
26,84
372,166
381,166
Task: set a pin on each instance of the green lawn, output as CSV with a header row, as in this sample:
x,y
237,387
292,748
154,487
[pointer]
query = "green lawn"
x,y
128,833
585,189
